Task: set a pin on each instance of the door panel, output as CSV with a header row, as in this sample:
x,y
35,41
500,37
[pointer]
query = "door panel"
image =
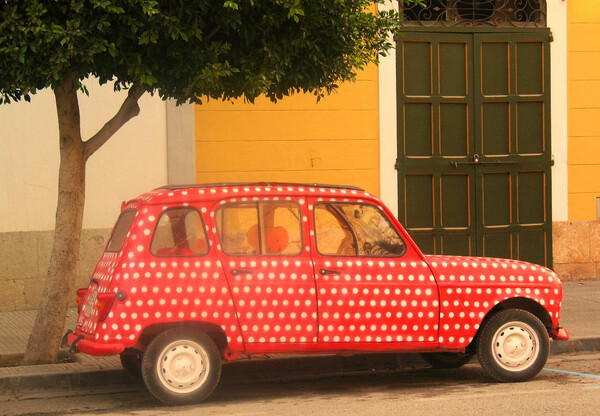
x,y
531,206
364,298
495,128
418,121
495,68
512,128
454,80
437,200
497,199
420,213
474,146
455,199
459,244
418,69
530,67
532,245
454,129
497,244
530,127
270,278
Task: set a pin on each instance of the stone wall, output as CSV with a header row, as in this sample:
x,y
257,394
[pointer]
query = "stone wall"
x,y
576,249
24,258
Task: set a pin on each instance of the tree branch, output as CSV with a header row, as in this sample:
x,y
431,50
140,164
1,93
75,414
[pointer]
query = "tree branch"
x,y
128,110
210,35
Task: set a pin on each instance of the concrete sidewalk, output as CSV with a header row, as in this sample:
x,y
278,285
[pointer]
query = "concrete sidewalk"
x,y
580,315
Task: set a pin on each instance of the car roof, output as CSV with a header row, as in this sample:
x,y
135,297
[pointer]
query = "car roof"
x,y
255,184
212,191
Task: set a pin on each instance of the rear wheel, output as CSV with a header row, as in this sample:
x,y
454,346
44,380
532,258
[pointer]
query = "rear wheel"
x,y
513,345
181,366
447,359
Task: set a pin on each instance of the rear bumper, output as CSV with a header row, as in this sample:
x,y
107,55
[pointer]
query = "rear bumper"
x,y
78,343
559,334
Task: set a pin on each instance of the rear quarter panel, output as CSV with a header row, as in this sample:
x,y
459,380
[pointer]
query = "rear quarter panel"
x,y
162,290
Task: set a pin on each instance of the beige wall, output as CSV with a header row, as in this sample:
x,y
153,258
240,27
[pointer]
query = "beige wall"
x,y
132,162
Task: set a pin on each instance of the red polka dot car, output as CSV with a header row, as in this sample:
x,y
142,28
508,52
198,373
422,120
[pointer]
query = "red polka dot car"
x,y
194,277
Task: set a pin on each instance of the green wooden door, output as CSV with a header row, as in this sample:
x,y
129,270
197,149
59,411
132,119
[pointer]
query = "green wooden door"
x,y
473,143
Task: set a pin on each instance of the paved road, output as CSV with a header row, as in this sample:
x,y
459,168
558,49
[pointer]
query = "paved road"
x,y
569,385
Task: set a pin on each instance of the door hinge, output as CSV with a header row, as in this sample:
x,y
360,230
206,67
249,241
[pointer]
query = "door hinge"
x,y
550,37
397,165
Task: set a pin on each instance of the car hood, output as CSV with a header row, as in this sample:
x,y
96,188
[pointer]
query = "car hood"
x,y
489,270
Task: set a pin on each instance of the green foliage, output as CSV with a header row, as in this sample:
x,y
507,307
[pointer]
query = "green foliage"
x,y
185,49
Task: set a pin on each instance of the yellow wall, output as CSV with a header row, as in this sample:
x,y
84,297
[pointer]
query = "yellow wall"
x,y
583,107
335,141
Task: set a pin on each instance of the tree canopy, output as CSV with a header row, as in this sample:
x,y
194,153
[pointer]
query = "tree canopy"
x,y
185,49
181,49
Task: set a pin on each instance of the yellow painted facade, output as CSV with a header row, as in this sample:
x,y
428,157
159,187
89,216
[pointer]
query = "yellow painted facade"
x,y
583,66
333,141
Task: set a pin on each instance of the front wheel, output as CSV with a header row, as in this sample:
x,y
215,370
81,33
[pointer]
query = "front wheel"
x,y
513,345
181,366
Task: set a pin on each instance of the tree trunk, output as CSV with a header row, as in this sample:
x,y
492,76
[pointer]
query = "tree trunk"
x,y
47,332
45,338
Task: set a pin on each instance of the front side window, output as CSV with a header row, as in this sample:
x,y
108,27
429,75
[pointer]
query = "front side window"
x,y
344,229
179,232
117,239
263,228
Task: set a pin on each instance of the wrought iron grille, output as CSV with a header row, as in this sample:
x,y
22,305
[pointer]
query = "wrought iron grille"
x,y
476,13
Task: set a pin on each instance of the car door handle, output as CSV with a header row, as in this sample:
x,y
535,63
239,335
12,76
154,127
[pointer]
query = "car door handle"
x,y
241,271
326,271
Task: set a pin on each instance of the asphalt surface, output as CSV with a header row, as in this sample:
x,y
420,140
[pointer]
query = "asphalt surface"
x,y
568,385
581,310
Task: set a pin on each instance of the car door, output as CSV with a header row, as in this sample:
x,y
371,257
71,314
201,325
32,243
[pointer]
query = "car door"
x,y
269,271
372,287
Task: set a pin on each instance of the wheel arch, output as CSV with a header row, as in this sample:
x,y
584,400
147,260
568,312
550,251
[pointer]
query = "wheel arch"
x,y
214,331
525,304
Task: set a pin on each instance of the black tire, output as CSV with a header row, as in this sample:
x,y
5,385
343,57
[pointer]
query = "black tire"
x,y
444,360
131,360
181,366
512,346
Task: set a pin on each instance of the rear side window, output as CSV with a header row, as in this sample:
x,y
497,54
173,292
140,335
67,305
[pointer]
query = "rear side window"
x,y
117,239
265,228
179,232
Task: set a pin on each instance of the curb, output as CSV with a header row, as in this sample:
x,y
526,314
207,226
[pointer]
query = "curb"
x,y
576,345
19,384
251,370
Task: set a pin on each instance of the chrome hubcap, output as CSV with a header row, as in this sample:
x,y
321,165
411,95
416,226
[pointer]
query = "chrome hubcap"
x,y
183,366
516,346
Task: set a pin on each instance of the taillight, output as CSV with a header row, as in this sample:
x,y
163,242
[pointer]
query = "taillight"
x,y
104,303
80,296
